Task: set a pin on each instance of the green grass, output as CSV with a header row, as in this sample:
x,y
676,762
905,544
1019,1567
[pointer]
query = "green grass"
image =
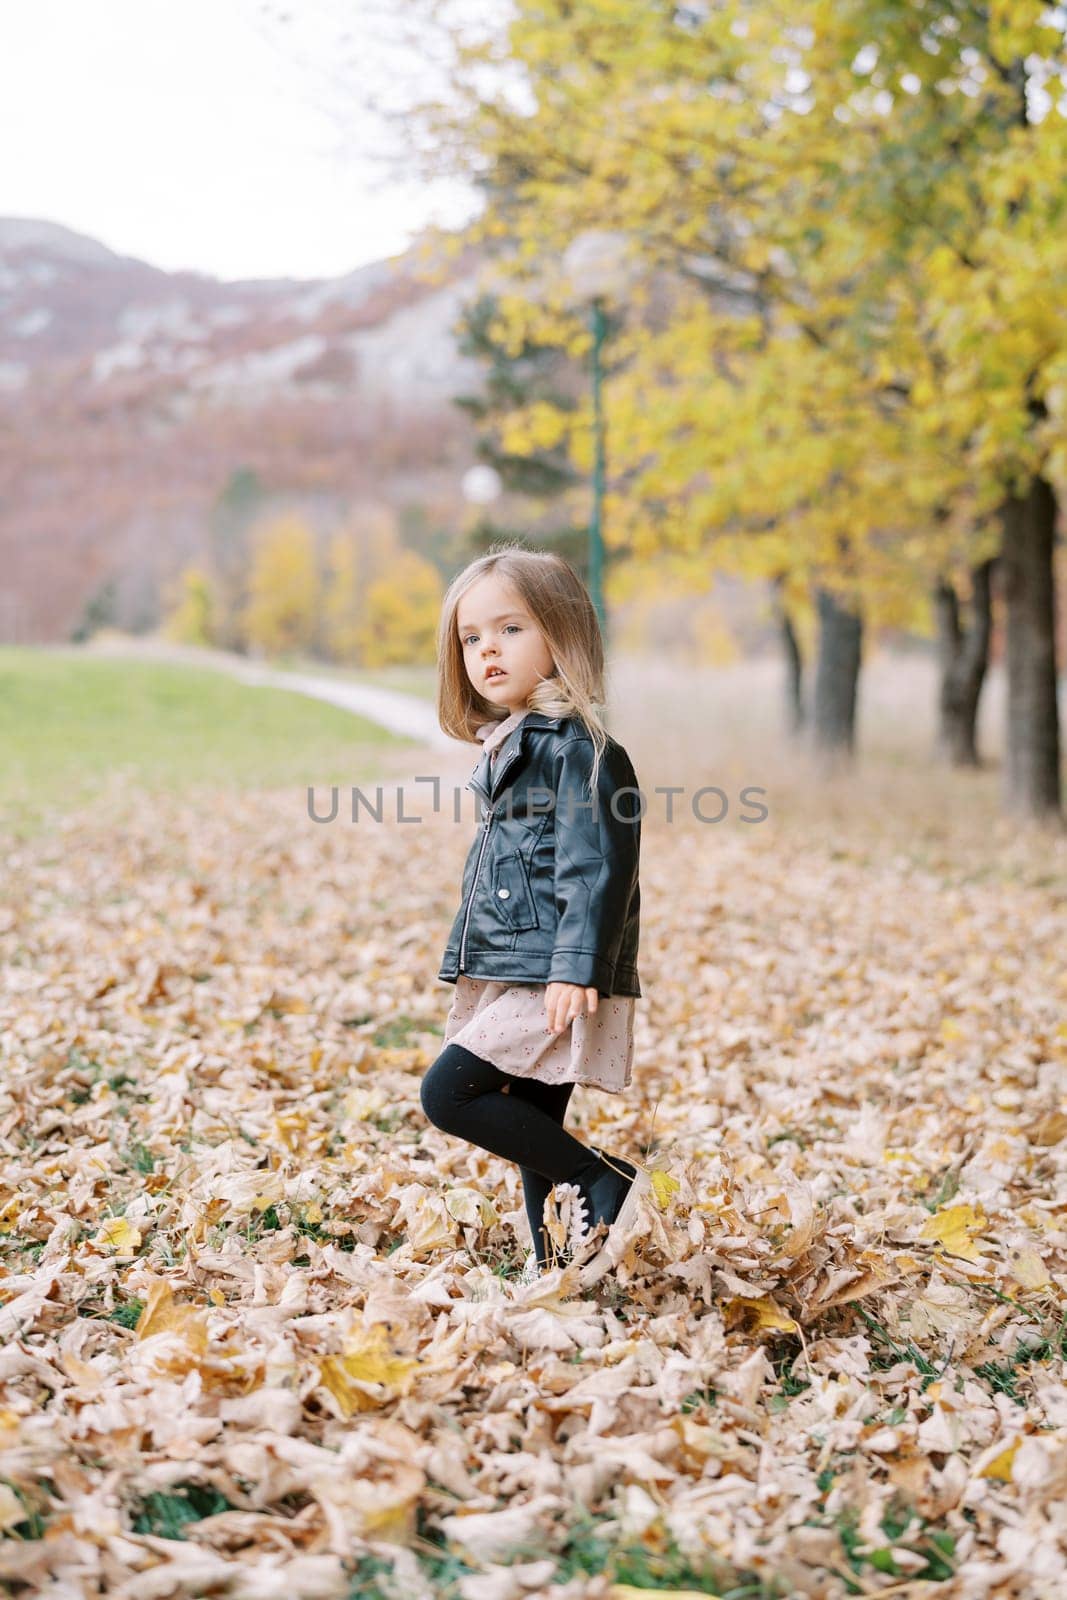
x,y
72,728
582,1549
167,1513
128,1315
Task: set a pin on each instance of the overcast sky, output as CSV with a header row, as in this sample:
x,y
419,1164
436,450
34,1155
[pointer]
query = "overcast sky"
x,y
204,134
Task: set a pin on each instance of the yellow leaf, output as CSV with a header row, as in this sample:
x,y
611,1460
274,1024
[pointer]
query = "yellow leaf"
x,y
217,1297
771,1315
366,1364
362,1104
468,1205
956,1230
290,1127
161,1315
1027,1268
313,1213
1049,1128
429,1227
116,1234
663,1186
243,1192
1000,1466
768,1313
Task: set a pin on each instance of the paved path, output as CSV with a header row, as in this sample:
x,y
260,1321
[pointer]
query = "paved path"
x,y
405,714
400,713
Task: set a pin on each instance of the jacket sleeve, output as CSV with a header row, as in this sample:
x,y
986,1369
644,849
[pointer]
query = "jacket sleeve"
x,y
596,862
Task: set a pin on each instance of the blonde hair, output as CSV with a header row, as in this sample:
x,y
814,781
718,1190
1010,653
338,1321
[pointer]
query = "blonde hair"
x,y
560,604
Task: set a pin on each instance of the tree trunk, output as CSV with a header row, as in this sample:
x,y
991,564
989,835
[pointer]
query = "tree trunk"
x,y
794,662
1032,766
836,676
963,654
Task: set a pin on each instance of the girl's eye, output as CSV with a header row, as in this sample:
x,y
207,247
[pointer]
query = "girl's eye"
x,y
468,637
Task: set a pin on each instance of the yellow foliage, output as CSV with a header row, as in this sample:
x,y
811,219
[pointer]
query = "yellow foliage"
x,y
1000,1466
117,1234
186,1326
763,1312
663,1186
342,608
402,609
903,227
956,1229
191,619
282,608
368,1373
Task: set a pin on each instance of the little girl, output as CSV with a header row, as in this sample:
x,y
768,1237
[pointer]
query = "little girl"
x,y
543,947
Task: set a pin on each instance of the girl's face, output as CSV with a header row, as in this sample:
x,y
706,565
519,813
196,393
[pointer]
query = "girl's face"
x,y
504,651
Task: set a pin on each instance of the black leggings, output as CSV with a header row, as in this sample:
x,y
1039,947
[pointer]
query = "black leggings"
x,y
463,1095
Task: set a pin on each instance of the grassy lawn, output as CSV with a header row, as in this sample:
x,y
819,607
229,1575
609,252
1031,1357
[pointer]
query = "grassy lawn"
x,y
73,728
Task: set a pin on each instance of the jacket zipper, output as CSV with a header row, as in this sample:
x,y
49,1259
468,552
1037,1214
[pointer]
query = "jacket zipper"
x,y
478,864
474,885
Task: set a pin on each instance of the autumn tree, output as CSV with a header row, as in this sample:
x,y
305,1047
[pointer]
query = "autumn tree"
x,y
846,195
542,475
342,619
281,612
970,174
735,424
378,598
191,619
402,610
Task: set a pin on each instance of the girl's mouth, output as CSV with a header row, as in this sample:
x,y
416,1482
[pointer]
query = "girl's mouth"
x,y
495,672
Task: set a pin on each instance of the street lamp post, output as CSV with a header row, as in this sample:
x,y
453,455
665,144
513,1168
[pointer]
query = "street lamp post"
x,y
599,268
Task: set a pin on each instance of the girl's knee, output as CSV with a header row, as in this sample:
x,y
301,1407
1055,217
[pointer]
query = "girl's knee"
x,y
455,1078
440,1092
434,1102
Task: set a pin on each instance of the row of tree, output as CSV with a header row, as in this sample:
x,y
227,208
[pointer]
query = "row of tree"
x,y
364,600
857,386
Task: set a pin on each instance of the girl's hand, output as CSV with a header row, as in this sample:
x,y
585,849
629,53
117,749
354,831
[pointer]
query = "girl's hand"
x,y
565,1001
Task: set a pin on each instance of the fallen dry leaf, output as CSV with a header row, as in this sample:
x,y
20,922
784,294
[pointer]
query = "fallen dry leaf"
x,y
263,1328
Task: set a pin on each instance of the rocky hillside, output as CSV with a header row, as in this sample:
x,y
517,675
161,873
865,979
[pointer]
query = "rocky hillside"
x,y
130,397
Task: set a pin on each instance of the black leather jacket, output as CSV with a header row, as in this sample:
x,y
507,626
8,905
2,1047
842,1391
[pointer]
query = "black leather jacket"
x,y
550,886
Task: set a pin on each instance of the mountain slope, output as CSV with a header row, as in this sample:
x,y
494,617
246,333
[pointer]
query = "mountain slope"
x,y
130,397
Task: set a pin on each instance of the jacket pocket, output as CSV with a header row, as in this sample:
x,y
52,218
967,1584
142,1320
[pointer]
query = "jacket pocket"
x,y
511,893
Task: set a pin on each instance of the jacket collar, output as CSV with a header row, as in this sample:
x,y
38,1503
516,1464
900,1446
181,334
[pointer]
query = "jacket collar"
x,y
486,780
494,734
532,719
540,719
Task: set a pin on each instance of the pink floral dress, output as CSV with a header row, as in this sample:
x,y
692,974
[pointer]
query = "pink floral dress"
x,y
506,1023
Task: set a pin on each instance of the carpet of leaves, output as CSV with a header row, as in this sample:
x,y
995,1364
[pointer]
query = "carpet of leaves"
x,y
263,1332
